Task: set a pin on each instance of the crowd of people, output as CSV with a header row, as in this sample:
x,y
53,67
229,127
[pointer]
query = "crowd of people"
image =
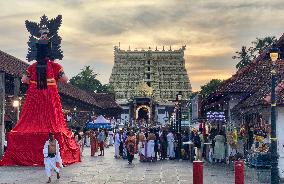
x,y
152,144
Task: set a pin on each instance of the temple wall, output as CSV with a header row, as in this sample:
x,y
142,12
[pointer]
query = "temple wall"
x,y
163,70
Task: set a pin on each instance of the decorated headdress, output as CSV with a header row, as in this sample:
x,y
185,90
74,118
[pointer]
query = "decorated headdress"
x,y
44,38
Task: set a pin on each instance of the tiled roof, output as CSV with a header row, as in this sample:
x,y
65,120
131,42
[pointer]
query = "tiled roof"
x,y
257,98
74,92
251,78
106,100
11,65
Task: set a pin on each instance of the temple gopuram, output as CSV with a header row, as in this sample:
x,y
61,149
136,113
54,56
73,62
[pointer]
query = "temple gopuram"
x,y
146,83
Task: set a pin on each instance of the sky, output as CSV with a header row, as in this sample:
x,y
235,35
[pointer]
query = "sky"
x,y
212,30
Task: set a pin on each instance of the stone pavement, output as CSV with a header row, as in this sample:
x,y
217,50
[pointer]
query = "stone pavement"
x,y
107,170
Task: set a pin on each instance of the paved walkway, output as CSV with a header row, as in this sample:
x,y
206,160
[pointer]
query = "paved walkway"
x,y
107,170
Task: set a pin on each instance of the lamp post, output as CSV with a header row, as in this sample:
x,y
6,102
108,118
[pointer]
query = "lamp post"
x,y
74,116
274,53
178,122
16,104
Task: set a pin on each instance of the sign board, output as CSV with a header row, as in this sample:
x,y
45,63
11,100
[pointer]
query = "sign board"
x,y
184,116
195,107
216,116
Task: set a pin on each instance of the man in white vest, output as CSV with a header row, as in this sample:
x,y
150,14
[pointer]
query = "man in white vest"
x,y
117,141
51,154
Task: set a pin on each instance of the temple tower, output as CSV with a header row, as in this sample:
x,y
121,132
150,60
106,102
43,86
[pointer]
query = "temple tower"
x,y
154,74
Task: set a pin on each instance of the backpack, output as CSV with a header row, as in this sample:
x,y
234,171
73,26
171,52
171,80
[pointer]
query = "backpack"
x,y
197,141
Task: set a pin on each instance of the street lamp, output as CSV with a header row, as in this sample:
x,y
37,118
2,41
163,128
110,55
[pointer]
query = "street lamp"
x,y
178,99
74,116
274,54
16,104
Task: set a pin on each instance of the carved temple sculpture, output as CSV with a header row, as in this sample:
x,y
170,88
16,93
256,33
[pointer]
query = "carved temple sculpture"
x,y
148,80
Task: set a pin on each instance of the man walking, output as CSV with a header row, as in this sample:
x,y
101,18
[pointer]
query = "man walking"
x,y
117,141
51,156
170,148
101,140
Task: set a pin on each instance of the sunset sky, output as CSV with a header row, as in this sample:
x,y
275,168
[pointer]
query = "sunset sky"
x,y
212,30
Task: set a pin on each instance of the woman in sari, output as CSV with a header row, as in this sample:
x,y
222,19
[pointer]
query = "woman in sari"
x,y
131,147
93,141
164,145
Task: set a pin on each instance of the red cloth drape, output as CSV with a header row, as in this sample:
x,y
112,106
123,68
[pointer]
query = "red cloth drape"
x,y
41,114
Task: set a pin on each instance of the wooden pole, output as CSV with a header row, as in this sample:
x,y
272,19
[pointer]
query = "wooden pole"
x,y
2,112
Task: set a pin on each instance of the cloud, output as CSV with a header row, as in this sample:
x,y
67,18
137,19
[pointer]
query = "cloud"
x,y
212,30
105,26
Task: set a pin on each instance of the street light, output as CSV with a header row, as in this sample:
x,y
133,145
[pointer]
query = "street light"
x,y
74,116
178,99
274,54
16,104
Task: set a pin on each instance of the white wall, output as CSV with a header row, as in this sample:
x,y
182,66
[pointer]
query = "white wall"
x,y
124,117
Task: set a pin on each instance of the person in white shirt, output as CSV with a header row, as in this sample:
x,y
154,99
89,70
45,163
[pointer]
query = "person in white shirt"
x,y
170,149
117,141
51,154
110,135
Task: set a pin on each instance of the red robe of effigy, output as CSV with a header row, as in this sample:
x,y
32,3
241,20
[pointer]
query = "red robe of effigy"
x,y
41,114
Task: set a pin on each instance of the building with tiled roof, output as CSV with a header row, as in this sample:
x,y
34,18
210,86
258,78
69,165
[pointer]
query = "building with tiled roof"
x,y
72,98
246,100
247,88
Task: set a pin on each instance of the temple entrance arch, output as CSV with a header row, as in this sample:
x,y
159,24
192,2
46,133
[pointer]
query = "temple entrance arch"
x,y
143,112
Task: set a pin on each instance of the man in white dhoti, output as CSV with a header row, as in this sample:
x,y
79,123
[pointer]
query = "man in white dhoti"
x,y
110,135
151,146
117,141
170,149
141,141
51,157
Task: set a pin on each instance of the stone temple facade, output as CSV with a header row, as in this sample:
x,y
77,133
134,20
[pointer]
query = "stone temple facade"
x,y
147,82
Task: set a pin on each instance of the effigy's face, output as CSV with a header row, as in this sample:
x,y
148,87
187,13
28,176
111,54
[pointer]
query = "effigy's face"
x,y
44,36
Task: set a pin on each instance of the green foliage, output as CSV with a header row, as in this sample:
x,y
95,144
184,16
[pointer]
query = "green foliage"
x,y
210,87
106,88
261,44
246,55
193,94
86,80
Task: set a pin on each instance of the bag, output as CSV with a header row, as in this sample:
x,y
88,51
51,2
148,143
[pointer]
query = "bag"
x,y
197,141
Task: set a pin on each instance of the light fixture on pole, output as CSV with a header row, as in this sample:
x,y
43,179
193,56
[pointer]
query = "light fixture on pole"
x,y
16,104
179,114
274,54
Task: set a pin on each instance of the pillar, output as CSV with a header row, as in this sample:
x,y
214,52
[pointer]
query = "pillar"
x,y
2,112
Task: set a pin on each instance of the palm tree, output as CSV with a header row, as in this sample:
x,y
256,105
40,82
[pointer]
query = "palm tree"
x,y
245,57
261,44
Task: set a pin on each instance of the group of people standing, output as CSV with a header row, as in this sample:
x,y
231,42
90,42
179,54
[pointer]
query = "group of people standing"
x,y
152,144
155,143
95,139
149,144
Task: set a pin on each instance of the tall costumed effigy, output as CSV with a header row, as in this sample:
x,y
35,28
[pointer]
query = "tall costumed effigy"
x,y
42,111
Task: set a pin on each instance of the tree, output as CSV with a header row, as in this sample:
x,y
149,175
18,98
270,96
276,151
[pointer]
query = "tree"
x,y
210,87
245,57
261,44
86,80
106,88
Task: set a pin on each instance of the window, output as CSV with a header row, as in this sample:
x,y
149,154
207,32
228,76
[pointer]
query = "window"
x,y
148,76
149,62
149,84
149,68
